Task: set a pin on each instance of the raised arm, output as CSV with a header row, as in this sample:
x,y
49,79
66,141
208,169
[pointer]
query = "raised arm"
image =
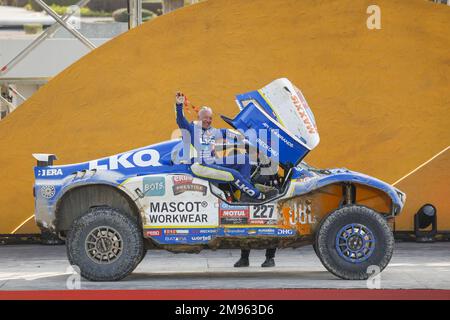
x,y
182,122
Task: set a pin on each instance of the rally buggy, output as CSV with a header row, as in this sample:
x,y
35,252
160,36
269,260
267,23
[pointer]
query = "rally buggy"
x,y
112,210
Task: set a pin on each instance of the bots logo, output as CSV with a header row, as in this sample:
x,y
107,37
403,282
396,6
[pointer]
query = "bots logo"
x,y
48,191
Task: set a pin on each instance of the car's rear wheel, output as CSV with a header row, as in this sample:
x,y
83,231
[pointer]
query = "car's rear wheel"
x,y
144,253
352,239
315,248
105,244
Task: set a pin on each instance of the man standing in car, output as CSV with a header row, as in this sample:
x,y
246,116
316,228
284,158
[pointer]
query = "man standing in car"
x,y
205,164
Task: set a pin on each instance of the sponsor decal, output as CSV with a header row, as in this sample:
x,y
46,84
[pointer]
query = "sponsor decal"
x,y
235,213
267,147
153,233
225,206
184,218
183,183
268,222
172,206
301,213
244,188
201,238
49,172
227,221
303,115
48,192
277,133
154,186
253,221
285,232
230,214
236,231
176,239
176,231
303,179
267,231
204,231
263,212
182,212
253,232
207,137
141,159
303,176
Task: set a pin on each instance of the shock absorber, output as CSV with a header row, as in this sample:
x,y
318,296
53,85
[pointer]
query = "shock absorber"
x,y
349,193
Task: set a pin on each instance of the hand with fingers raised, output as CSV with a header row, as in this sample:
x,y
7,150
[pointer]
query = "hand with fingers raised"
x,y
180,98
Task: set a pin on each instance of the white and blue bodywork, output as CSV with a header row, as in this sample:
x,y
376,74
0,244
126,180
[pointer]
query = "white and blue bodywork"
x,y
176,208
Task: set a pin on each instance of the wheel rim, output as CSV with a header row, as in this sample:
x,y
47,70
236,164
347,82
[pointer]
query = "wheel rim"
x,y
355,243
104,245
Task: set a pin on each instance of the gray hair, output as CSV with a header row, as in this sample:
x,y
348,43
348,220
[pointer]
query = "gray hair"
x,y
205,108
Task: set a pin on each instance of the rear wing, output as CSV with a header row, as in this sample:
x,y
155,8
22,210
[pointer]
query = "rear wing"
x,y
44,159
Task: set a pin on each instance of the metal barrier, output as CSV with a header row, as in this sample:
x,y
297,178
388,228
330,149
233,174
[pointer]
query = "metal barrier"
x,y
44,35
59,21
135,19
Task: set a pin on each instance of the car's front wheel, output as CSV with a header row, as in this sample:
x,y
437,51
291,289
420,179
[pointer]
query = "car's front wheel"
x,y
352,239
105,244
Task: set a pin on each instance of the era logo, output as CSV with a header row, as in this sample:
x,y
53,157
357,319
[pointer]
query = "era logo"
x,y
50,172
374,20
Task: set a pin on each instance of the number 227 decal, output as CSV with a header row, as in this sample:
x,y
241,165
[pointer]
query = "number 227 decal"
x,y
263,212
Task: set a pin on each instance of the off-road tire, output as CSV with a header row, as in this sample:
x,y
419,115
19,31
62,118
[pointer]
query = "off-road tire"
x,y
315,236
331,258
131,239
144,253
315,248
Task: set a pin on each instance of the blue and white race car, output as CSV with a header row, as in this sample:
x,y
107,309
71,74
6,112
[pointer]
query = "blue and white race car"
x,y
112,210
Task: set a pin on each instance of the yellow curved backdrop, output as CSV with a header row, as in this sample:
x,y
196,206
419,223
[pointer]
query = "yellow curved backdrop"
x,y
429,184
380,97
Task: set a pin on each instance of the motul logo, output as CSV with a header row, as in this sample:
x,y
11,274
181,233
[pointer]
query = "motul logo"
x,y
235,213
